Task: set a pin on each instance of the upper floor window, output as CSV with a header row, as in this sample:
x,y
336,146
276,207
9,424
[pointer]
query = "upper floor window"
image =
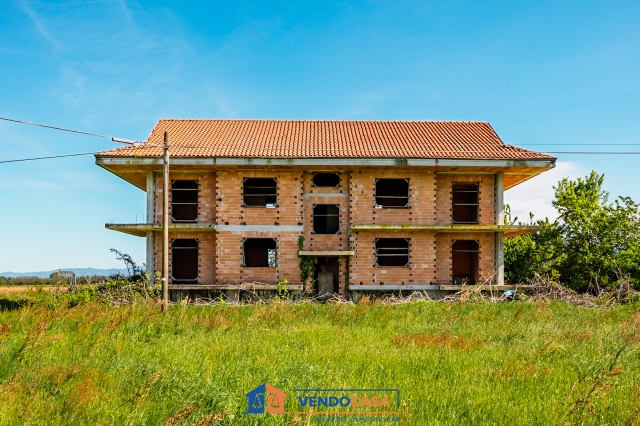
x,y
392,252
259,252
392,192
184,201
464,199
260,192
326,179
326,219
184,261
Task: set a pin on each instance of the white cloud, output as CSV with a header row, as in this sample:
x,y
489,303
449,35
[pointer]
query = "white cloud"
x,y
536,194
37,22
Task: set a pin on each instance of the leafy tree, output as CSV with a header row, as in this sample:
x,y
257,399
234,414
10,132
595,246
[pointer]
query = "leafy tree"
x,y
531,254
591,242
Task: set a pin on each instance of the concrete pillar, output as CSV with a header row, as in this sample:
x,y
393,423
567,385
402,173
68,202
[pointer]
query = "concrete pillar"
x,y
499,198
151,192
150,256
499,243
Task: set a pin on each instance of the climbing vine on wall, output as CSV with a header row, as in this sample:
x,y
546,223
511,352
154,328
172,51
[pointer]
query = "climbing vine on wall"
x,y
307,268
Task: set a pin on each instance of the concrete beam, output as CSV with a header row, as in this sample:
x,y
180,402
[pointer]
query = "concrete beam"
x,y
449,228
259,228
326,195
383,287
234,287
327,253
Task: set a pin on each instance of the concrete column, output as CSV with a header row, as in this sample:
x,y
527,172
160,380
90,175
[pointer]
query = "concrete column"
x,y
499,244
151,192
499,198
150,256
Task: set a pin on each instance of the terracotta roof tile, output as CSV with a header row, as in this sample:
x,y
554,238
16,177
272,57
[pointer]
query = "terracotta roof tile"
x,y
297,139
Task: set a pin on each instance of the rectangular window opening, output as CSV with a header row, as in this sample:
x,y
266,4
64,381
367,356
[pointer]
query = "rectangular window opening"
x,y
260,192
260,253
326,219
184,261
326,179
392,193
392,252
465,203
465,256
184,201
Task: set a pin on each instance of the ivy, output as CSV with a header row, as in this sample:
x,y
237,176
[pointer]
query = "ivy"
x,y
307,267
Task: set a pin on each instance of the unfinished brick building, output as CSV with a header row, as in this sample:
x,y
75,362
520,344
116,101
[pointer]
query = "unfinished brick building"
x,y
376,205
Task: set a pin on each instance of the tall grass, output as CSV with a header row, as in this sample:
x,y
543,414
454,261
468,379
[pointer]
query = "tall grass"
x,y
506,363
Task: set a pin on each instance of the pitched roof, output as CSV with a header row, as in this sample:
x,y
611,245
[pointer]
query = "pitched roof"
x,y
303,139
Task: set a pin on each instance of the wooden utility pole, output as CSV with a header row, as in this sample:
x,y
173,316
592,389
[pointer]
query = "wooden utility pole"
x,y
165,225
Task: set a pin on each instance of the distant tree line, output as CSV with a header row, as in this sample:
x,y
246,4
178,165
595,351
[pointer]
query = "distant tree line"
x,y
52,280
593,242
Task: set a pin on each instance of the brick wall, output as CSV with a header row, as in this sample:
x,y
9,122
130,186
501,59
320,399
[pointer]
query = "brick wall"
x,y
422,198
206,253
229,199
486,196
206,195
221,202
486,265
422,259
325,195
229,258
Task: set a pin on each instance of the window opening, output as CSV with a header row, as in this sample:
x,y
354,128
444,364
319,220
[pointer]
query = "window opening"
x,y
326,219
464,261
326,179
260,252
184,261
392,192
392,251
184,201
464,203
260,192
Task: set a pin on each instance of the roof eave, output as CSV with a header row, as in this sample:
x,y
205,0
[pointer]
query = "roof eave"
x,y
106,161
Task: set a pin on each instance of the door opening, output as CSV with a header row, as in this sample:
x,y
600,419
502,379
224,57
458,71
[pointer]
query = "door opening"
x,y
327,276
464,261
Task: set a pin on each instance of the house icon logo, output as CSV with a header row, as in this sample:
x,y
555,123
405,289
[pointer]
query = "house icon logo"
x,y
267,396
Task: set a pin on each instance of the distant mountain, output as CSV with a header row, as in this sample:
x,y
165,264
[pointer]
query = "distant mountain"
x,y
78,271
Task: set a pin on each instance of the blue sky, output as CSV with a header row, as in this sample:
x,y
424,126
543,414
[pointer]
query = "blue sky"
x,y
539,72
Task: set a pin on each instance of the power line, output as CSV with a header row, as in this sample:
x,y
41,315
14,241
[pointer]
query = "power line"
x,y
69,130
93,153
582,144
594,152
47,158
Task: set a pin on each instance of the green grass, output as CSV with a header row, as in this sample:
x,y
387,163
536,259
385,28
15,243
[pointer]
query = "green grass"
x,y
510,363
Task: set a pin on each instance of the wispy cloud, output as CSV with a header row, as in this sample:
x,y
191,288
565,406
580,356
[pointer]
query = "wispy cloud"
x,y
39,24
535,195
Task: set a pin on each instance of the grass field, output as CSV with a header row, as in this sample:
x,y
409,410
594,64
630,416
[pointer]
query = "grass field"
x,y
508,363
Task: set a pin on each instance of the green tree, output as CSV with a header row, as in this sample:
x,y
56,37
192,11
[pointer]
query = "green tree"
x,y
591,242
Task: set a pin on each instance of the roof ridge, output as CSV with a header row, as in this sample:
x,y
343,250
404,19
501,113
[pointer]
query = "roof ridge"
x,y
324,120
